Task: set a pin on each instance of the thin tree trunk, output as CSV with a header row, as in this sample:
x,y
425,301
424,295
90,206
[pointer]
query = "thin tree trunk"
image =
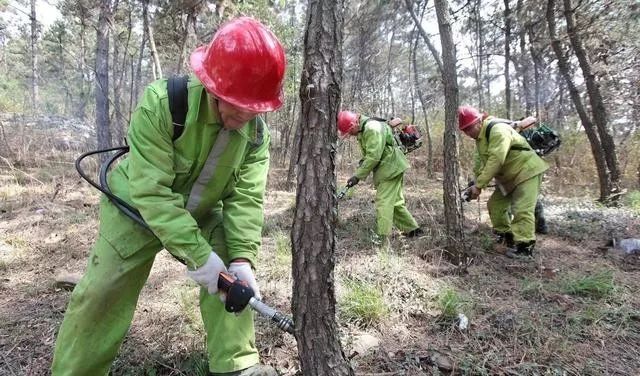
x,y
138,76
313,233
390,71
594,141
480,52
84,91
507,58
34,58
423,33
535,56
157,69
452,204
103,129
190,38
424,108
598,109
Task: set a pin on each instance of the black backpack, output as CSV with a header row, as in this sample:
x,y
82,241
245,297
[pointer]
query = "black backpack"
x,y
541,138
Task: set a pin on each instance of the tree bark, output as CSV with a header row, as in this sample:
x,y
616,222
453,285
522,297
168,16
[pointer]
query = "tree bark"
x,y
157,68
34,58
138,76
423,33
563,66
537,63
103,129
423,104
84,91
452,204
507,58
598,109
313,232
190,38
479,52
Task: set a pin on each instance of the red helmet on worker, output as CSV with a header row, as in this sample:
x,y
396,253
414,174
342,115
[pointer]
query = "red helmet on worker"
x,y
244,65
467,116
346,121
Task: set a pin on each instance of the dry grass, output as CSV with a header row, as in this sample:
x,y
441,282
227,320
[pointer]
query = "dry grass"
x,y
574,310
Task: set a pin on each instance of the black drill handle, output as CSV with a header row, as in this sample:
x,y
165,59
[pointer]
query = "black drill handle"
x,y
238,292
344,191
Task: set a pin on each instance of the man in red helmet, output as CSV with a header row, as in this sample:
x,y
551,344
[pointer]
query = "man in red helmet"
x,y
200,194
504,155
382,156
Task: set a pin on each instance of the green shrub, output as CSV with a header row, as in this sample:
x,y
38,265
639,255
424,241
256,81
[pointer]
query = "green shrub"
x,y
450,303
632,200
597,285
362,303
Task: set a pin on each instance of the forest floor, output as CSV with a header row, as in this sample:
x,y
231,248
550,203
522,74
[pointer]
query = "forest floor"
x,y
573,310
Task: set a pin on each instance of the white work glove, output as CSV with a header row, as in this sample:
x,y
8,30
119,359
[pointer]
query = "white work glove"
x,y
207,274
242,270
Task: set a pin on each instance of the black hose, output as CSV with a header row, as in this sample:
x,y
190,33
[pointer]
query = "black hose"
x,y
103,187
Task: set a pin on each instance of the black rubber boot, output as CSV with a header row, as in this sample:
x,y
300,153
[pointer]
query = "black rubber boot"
x,y
415,233
541,222
521,250
504,238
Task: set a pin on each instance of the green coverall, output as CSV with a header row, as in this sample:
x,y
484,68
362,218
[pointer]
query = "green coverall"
x,y
382,156
518,174
200,192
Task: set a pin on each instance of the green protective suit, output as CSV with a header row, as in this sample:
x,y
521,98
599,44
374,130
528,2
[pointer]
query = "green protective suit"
x,y
381,155
200,192
517,170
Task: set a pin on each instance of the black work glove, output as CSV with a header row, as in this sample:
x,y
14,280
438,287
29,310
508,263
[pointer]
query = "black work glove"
x,y
352,181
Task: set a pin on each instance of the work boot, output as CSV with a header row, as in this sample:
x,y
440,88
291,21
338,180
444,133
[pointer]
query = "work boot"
x,y
415,233
255,370
504,239
521,250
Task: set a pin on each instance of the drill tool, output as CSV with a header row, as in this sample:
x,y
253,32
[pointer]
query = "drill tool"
x,y
343,192
466,194
239,295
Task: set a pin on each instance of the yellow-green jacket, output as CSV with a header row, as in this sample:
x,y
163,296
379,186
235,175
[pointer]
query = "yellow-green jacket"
x,y
177,185
500,157
380,153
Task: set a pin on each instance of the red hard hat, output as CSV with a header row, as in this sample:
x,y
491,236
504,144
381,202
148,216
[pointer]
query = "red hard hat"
x,y
244,65
467,116
346,121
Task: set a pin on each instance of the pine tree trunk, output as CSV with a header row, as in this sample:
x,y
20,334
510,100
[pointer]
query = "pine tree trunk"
x,y
507,58
563,66
157,68
103,128
313,232
34,58
452,203
424,108
598,109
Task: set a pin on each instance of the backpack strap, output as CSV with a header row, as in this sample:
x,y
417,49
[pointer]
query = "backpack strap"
x,y
384,123
178,103
493,122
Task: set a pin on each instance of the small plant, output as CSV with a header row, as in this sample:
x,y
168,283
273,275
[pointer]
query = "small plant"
x,y
597,285
486,242
632,200
362,303
450,303
532,288
283,246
